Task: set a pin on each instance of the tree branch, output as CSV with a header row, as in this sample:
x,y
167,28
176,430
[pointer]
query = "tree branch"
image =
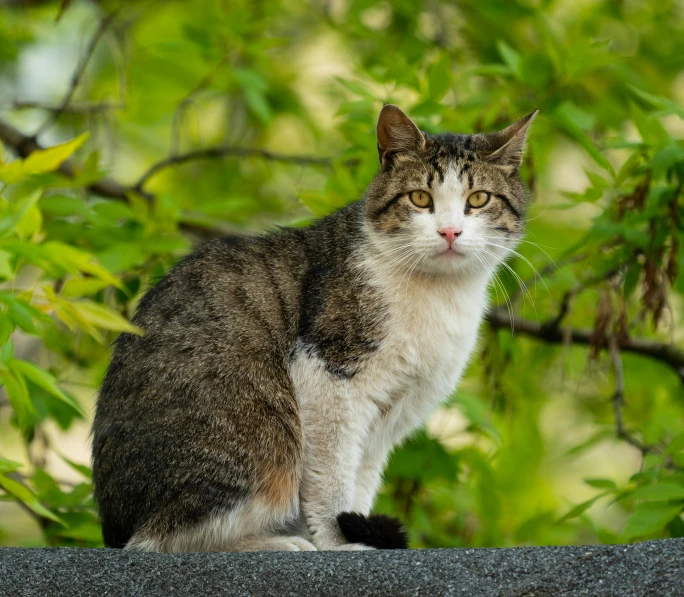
x,y
78,73
552,334
24,145
224,150
72,108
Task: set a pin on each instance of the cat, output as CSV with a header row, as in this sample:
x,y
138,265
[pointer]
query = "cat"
x,y
277,372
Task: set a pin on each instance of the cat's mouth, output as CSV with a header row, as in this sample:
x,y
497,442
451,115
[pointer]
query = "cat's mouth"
x,y
451,253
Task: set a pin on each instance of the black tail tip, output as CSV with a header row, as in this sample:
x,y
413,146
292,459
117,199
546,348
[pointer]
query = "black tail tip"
x,y
377,530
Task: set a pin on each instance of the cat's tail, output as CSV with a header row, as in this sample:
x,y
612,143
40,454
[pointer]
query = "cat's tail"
x,y
377,530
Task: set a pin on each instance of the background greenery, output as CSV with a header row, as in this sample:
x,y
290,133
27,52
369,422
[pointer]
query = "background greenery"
x,y
181,121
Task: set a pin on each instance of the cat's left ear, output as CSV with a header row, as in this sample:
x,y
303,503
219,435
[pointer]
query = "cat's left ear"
x,y
505,148
396,132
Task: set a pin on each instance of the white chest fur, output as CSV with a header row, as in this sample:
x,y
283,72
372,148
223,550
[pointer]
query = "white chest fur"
x,y
430,333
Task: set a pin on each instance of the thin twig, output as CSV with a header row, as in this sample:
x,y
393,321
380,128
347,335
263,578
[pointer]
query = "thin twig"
x,y
187,100
618,399
571,294
564,309
78,73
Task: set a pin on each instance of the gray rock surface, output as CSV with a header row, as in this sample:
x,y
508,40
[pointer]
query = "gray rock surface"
x,y
652,568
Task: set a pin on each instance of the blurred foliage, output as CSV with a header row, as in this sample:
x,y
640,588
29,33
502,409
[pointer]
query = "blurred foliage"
x,y
262,112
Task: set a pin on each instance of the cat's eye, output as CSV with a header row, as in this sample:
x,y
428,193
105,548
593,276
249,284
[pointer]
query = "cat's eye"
x,y
479,199
420,198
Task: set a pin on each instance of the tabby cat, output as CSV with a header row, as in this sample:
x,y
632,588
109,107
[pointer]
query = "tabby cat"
x,y
277,372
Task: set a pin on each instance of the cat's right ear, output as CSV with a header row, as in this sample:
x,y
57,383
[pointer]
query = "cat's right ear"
x,y
396,132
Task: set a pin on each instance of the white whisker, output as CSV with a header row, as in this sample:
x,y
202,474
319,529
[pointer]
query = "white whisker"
x,y
523,286
527,261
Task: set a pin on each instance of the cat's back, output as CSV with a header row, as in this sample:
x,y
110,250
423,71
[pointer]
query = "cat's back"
x,y
234,299
234,294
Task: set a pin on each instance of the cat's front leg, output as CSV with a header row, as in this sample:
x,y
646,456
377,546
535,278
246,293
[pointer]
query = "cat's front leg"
x,y
335,429
368,481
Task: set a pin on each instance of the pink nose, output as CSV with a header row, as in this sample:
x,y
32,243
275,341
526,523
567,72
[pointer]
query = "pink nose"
x,y
450,234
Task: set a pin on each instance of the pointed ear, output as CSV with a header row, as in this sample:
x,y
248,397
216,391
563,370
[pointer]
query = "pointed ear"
x,y
505,148
397,132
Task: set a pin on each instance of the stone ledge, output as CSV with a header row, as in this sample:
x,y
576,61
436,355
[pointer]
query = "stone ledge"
x,y
654,568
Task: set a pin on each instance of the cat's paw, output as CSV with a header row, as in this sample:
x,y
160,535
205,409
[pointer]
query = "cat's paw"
x,y
297,544
331,539
352,547
277,543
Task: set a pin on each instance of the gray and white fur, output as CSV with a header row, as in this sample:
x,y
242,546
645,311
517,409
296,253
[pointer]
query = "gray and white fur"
x,y
277,372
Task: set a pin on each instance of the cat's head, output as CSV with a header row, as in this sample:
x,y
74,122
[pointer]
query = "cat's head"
x,y
446,203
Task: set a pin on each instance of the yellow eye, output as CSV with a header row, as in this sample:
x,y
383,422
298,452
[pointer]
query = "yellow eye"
x,y
420,198
479,199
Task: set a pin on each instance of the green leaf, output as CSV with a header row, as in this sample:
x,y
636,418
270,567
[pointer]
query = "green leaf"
x,y
490,70
8,466
665,104
676,445
579,117
13,172
631,278
78,287
102,317
79,468
74,260
510,57
662,490
44,380
6,328
356,88
423,458
17,392
580,509
48,160
63,205
91,532
26,496
22,314
440,77
258,105
17,210
254,87
665,158
601,483
30,223
6,269
649,518
476,410
650,129
6,353
566,116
